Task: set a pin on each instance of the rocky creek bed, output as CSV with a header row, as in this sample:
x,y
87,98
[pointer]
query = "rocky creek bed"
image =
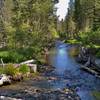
x,y
41,89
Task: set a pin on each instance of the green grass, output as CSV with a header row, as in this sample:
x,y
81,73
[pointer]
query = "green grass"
x,y
4,54
97,46
73,41
9,70
96,95
93,46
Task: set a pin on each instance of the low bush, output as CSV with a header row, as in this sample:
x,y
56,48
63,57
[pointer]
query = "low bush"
x,y
24,69
11,56
10,70
4,55
15,57
90,38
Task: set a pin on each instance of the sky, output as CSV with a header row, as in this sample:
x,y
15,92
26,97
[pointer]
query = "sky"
x,y
62,8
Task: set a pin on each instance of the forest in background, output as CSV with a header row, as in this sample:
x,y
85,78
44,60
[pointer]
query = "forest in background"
x,y
82,24
26,27
82,21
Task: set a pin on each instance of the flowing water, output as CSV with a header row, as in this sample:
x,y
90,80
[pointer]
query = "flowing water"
x,y
66,66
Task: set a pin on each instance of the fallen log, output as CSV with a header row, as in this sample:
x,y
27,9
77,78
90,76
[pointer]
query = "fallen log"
x,y
28,61
90,70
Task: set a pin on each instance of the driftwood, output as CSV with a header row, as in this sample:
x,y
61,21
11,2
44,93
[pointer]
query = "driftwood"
x,y
91,62
88,60
91,66
92,71
28,61
83,56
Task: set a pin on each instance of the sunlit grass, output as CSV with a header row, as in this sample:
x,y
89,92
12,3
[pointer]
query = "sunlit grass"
x,y
73,41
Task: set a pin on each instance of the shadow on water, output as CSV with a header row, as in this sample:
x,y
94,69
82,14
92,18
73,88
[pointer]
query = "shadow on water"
x,y
83,82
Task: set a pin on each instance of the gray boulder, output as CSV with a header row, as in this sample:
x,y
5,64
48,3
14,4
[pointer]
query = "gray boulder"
x,y
5,79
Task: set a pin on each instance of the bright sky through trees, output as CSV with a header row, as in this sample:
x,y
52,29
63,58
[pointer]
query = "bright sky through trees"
x,y
62,8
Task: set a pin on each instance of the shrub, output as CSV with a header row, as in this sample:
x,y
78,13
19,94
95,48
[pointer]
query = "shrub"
x,y
27,53
11,56
10,70
15,57
24,69
4,55
90,38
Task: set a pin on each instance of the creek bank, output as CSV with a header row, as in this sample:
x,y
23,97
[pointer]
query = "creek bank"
x,y
87,58
11,73
25,90
10,79
28,89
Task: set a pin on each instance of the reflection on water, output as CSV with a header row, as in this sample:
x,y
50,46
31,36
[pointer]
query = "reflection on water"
x,y
61,59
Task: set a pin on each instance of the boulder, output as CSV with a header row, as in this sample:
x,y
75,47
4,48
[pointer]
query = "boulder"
x,y
1,82
5,80
33,67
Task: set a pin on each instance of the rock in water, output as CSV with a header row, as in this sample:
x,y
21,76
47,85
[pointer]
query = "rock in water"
x,y
4,80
